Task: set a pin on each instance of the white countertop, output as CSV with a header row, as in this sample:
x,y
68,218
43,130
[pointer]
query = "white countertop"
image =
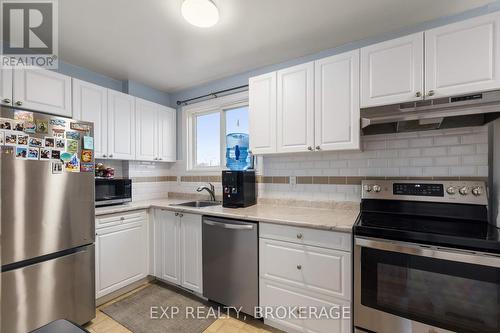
x,y
339,218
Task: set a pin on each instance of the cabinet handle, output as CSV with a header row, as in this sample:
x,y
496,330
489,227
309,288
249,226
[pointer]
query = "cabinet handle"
x,y
431,92
299,267
104,155
110,155
418,94
299,236
310,148
176,214
7,101
318,148
181,215
160,158
122,218
19,103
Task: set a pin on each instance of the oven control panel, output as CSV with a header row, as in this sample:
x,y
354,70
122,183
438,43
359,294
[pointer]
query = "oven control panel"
x,y
467,192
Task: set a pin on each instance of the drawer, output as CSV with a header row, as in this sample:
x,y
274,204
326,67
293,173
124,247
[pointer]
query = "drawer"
x,y
314,269
282,299
306,236
120,218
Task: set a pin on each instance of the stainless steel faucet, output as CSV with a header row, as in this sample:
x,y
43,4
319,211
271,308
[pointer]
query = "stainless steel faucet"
x,y
210,190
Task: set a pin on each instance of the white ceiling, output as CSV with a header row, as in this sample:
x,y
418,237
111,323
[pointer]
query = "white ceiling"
x,y
148,40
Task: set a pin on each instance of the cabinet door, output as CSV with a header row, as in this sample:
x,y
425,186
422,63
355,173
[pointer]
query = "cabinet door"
x,y
262,113
121,125
295,120
191,252
121,256
146,130
167,137
90,103
336,111
43,91
463,57
167,247
6,87
392,71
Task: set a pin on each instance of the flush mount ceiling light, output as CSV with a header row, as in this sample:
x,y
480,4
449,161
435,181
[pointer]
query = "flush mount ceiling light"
x,y
201,13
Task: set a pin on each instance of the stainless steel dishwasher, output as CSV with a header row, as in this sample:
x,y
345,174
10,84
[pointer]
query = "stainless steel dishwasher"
x,y
231,262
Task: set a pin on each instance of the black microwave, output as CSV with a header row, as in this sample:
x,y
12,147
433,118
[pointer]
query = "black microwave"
x,y
112,191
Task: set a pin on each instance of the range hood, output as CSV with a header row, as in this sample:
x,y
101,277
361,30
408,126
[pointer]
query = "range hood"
x,y
449,112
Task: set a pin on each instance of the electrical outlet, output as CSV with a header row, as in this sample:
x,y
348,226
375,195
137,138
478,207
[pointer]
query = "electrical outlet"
x,y
293,180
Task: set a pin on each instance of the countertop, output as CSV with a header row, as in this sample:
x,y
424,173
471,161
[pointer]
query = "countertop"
x,y
341,217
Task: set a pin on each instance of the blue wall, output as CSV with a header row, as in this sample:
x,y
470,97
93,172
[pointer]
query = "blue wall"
x,y
242,78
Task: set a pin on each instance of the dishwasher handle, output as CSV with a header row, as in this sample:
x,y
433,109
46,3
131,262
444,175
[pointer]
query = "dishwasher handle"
x,y
233,226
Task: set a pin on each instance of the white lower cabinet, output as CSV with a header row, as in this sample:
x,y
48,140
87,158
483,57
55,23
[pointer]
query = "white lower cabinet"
x,y
121,251
306,277
178,249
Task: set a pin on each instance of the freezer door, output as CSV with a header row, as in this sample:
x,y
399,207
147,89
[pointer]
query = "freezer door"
x,y
60,288
43,213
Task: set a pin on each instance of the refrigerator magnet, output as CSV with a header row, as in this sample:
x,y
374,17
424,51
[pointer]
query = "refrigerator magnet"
x,y
79,127
72,135
86,156
58,133
5,124
29,127
73,165
2,138
60,143
10,139
22,139
45,154
18,126
23,115
49,142
71,146
56,154
21,152
55,122
57,167
87,167
42,126
35,142
88,142
66,157
33,153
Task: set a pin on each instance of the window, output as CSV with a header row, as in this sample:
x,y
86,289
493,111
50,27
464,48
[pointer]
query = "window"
x,y
207,124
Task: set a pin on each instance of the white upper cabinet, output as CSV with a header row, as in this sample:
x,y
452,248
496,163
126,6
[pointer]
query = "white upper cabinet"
x,y
392,71
262,113
336,111
167,137
121,125
6,87
463,57
146,117
295,115
90,103
42,90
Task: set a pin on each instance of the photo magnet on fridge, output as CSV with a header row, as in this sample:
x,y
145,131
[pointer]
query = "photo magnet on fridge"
x,y
71,146
23,115
79,127
66,157
33,153
2,138
55,122
57,167
30,127
21,152
45,154
56,154
22,139
18,126
5,124
73,135
73,165
60,143
10,139
88,142
49,142
86,156
58,133
42,126
35,142
87,167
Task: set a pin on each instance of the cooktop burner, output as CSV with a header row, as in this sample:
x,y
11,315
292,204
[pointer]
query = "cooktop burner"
x,y
440,213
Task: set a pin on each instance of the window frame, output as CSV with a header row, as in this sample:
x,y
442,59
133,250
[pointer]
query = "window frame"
x,y
216,105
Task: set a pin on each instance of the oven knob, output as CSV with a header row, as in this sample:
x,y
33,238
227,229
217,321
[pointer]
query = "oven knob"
x,y
463,190
377,188
477,191
367,188
451,190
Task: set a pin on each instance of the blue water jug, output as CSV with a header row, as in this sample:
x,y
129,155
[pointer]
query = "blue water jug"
x,y
237,157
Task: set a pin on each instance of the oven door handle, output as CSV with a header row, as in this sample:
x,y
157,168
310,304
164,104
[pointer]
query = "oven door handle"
x,y
464,256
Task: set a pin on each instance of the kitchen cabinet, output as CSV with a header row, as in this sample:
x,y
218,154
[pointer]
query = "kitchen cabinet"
x,y
262,115
121,251
90,103
155,132
121,126
6,87
295,108
392,71
463,57
336,110
178,252
43,91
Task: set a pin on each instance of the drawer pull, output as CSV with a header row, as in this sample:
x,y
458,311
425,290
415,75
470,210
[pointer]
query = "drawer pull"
x,y
299,236
122,218
299,267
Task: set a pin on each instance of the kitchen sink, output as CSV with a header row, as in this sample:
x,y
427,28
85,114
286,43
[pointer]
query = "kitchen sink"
x,y
198,204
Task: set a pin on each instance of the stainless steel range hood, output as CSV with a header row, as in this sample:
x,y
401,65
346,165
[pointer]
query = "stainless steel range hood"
x,y
449,112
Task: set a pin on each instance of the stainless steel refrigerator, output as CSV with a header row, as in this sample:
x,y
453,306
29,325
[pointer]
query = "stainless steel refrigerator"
x,y
47,220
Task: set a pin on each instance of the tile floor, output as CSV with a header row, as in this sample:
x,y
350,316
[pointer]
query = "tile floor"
x,y
105,324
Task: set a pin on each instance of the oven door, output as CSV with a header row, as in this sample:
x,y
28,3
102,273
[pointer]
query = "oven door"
x,y
410,288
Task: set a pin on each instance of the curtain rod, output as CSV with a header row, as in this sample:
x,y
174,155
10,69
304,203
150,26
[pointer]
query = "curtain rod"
x,y
212,95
